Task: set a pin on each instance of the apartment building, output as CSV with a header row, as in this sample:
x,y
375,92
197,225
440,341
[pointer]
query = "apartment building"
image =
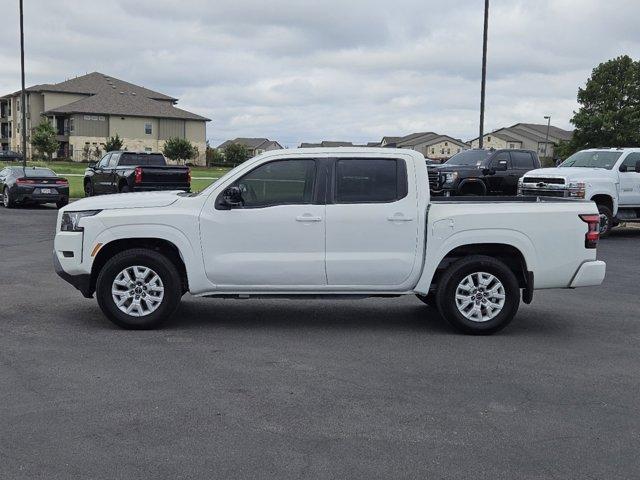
x,y
85,111
255,146
530,136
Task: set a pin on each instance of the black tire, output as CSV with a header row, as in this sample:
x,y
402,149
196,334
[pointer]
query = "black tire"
x,y
428,299
7,199
456,273
606,220
62,203
88,189
125,189
162,266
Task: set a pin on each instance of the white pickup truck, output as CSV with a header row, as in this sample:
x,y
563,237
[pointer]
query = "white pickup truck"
x,y
608,176
341,222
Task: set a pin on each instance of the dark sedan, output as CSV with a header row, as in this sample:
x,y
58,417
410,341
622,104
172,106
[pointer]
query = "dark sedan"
x,y
32,185
10,156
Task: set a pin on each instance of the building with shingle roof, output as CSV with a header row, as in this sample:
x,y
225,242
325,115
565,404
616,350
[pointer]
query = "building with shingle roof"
x,y
529,136
87,110
255,146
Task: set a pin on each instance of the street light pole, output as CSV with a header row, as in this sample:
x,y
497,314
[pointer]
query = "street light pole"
x,y
23,104
484,71
546,140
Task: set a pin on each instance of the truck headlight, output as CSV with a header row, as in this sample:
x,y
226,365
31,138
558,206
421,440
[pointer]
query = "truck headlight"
x,y
450,177
70,220
576,189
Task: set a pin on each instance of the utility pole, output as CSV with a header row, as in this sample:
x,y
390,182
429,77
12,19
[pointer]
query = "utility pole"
x,y
546,140
23,97
484,70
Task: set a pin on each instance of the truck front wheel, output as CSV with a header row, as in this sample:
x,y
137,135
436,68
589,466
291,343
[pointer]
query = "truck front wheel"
x,y
606,220
478,295
139,289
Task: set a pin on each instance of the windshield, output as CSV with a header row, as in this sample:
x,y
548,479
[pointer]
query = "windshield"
x,y
468,157
591,159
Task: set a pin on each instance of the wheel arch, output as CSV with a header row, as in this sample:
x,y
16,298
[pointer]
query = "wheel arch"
x,y
472,183
604,199
516,251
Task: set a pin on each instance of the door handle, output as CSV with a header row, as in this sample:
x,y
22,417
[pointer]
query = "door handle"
x,y
398,217
308,218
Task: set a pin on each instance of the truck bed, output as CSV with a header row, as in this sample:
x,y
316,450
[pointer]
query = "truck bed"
x,y
502,199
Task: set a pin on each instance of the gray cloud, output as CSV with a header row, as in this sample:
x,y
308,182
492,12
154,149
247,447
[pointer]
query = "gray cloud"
x,y
311,70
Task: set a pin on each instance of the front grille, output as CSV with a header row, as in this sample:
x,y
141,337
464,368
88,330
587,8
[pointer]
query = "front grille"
x,y
554,181
542,193
434,179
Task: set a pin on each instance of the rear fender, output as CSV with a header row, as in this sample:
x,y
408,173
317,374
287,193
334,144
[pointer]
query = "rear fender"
x,y
436,254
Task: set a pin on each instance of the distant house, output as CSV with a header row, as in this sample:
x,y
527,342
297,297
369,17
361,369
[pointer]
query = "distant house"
x,y
255,146
327,143
432,145
529,136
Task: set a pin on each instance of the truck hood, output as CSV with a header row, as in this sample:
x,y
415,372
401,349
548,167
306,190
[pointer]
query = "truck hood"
x,y
126,200
570,173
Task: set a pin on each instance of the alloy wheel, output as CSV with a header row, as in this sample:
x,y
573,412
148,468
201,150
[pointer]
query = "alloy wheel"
x,y
137,291
480,297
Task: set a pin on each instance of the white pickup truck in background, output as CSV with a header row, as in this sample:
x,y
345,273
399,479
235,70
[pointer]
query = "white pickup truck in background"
x,y
610,177
353,222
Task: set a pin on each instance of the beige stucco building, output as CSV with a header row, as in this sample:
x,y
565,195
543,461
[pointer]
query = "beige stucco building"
x,y
529,136
86,111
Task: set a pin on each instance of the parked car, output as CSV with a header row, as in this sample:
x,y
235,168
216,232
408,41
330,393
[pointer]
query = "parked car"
x,y
608,177
10,156
482,172
324,223
32,185
122,172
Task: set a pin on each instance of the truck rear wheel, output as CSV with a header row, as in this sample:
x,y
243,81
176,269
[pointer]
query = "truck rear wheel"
x,y
478,295
139,289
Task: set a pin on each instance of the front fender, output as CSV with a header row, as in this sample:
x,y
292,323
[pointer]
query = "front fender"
x,y
446,245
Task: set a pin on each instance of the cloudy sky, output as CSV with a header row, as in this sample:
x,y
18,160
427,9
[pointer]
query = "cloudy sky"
x,y
300,70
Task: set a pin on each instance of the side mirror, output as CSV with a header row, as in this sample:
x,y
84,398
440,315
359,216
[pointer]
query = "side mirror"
x,y
232,197
92,164
638,166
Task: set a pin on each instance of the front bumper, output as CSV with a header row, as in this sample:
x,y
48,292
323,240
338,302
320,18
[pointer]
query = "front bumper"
x,y
82,282
589,274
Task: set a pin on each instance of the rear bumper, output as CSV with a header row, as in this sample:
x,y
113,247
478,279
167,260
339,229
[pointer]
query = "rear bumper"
x,y
160,188
81,282
589,274
23,194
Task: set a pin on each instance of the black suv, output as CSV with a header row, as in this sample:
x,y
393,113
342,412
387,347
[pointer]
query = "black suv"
x,y
482,172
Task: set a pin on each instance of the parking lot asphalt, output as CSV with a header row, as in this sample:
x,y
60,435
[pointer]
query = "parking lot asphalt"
x,y
378,388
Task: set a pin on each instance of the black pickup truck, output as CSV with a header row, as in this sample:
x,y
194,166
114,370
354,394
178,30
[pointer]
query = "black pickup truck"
x,y
482,172
120,172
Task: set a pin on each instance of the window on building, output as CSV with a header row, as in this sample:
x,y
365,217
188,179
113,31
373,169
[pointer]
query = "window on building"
x,y
442,151
288,182
446,144
458,151
370,180
488,139
147,129
18,104
433,150
448,151
147,149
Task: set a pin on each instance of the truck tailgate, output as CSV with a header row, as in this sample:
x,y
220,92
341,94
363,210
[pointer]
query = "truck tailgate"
x,y
170,176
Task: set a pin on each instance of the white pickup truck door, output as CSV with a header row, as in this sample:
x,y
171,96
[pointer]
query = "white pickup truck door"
x,y
630,181
372,229
276,239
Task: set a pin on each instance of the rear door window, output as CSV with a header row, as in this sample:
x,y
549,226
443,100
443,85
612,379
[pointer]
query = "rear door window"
x,y
375,180
630,161
522,161
501,158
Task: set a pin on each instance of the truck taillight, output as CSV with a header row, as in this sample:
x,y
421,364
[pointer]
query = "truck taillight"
x,y
593,233
138,175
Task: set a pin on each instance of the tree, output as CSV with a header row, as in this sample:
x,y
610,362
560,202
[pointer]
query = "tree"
x,y
235,154
43,139
179,149
214,155
113,144
609,113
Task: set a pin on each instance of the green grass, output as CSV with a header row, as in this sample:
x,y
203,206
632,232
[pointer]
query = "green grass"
x,y
75,183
